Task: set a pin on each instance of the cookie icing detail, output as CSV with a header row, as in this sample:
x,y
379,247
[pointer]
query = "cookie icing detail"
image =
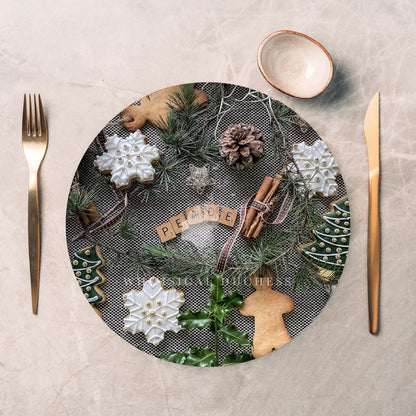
x,y
85,266
153,310
332,239
317,166
128,158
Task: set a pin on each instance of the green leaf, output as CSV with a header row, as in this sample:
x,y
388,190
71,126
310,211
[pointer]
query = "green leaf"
x,y
232,300
218,311
189,319
200,357
174,357
230,333
234,358
216,288
195,357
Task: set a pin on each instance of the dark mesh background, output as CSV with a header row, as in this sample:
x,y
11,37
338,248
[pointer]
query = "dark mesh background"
x,y
232,188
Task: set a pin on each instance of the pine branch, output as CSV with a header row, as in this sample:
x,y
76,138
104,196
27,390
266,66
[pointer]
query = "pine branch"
x,y
265,253
79,201
127,229
283,115
145,191
184,129
165,169
178,262
307,276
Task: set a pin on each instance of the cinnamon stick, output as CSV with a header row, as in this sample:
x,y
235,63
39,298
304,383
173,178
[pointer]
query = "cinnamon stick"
x,y
260,225
257,224
261,194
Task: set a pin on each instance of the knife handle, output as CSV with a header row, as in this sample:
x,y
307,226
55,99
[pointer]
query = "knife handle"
x,y
373,251
34,237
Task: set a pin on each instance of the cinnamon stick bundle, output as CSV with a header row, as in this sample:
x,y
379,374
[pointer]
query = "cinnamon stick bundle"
x,y
253,224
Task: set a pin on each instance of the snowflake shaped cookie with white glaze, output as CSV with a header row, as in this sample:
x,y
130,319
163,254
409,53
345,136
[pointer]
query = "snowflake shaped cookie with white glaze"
x,y
128,159
153,310
317,166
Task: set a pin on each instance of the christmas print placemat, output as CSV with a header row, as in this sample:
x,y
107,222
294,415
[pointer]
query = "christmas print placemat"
x,y
207,224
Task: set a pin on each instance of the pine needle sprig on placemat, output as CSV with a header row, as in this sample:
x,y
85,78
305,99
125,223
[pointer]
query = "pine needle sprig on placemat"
x,y
178,262
79,201
185,128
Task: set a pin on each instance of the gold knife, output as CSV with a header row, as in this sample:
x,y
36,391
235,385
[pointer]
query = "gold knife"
x,y
371,130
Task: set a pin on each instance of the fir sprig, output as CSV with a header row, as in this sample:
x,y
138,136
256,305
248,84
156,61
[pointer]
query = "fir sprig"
x,y
79,201
265,252
165,169
178,262
145,190
184,129
127,229
306,276
283,115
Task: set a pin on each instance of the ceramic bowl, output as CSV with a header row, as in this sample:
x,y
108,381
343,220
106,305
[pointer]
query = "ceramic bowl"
x,y
295,63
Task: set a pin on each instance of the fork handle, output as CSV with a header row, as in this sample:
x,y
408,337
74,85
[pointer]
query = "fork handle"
x,y
373,251
34,237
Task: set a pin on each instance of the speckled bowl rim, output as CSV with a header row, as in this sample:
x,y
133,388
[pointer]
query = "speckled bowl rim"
x,y
267,78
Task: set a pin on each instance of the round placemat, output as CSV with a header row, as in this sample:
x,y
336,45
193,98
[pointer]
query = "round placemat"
x,y
131,216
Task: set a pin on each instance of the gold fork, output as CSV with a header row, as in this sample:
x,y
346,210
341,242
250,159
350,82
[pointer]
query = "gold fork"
x,y
35,142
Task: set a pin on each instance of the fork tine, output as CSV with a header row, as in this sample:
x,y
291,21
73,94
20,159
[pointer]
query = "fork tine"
x,y
31,121
43,125
38,131
24,118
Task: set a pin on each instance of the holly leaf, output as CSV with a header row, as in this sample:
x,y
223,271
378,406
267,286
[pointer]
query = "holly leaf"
x,y
230,333
216,288
195,357
200,357
231,301
174,357
234,358
199,319
217,311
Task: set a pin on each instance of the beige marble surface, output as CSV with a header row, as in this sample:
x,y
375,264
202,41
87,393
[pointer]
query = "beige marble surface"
x,y
91,59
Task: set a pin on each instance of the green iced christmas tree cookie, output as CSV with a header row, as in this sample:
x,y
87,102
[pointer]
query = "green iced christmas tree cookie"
x,y
329,250
86,265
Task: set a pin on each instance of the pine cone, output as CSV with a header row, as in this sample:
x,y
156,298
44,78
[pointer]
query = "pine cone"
x,y
241,146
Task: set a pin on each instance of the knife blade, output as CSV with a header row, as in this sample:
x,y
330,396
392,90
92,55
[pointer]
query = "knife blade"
x,y
372,136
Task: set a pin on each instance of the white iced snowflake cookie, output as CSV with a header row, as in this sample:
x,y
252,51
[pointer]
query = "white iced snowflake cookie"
x,y
317,166
153,310
128,159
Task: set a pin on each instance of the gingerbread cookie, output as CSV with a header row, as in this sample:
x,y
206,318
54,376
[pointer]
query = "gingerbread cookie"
x,y
155,108
267,306
86,265
329,249
153,310
128,159
317,166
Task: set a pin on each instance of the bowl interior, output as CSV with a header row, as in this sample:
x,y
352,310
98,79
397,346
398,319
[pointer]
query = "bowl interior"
x,y
295,64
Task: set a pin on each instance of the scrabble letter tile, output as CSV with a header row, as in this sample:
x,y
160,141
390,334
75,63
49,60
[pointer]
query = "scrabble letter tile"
x,y
165,232
211,213
228,216
179,223
194,215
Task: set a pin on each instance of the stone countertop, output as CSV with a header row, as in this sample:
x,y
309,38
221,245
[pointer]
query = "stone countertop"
x,y
91,59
